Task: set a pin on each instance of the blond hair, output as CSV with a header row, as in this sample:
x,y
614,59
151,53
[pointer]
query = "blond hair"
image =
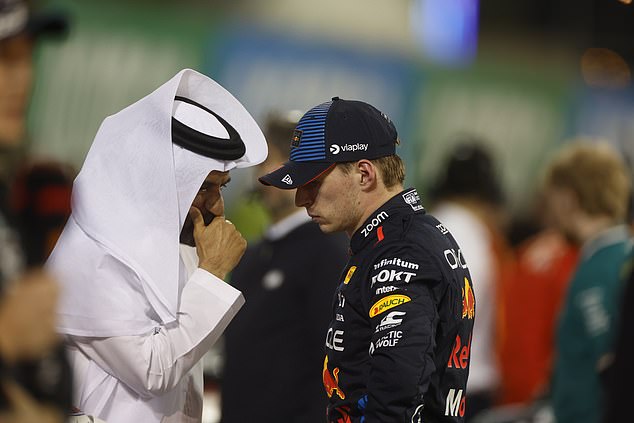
x,y
391,168
596,174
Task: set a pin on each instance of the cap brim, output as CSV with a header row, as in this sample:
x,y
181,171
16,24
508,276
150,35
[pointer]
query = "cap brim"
x,y
295,174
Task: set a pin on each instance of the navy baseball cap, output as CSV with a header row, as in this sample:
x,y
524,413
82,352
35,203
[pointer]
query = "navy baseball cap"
x,y
16,17
333,132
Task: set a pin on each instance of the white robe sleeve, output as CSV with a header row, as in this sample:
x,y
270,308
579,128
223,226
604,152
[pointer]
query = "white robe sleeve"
x,y
155,363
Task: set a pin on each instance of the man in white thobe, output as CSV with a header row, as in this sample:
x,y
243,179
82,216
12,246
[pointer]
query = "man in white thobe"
x,y
137,310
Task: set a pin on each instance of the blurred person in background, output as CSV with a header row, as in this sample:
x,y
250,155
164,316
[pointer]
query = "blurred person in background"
x,y
274,346
139,310
19,30
34,372
40,200
587,190
467,198
398,343
531,300
34,379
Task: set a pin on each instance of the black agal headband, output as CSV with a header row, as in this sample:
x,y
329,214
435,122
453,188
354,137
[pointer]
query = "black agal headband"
x,y
231,148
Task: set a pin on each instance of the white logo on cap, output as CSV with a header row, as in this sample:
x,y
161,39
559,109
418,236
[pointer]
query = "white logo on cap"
x,y
287,179
336,149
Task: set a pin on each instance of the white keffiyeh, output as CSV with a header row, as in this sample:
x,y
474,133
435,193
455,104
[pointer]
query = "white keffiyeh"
x,y
118,257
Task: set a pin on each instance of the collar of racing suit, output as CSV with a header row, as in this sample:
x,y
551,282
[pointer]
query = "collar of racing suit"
x,y
371,231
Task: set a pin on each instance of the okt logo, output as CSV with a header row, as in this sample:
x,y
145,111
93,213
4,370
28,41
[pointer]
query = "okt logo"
x,y
386,275
456,403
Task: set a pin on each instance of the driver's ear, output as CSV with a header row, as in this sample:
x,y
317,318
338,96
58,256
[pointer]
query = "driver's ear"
x,y
367,174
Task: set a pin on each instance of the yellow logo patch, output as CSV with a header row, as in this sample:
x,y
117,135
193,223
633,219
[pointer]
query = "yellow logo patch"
x,y
387,303
349,274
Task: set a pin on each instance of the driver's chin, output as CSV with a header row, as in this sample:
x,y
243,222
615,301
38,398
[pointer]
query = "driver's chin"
x,y
326,228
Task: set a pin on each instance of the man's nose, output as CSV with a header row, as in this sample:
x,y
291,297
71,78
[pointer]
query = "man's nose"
x,y
216,205
301,197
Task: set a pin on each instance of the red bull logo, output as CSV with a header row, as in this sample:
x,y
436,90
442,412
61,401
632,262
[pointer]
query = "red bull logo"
x,y
331,382
343,415
296,138
460,354
468,300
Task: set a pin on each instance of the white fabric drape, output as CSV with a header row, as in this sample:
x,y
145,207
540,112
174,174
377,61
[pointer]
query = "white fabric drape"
x,y
156,377
128,206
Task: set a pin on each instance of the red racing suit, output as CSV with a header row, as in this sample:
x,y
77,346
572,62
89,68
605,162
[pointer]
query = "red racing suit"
x,y
399,342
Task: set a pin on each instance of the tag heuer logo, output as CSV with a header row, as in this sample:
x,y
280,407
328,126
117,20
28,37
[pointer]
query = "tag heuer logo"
x,y
287,179
334,149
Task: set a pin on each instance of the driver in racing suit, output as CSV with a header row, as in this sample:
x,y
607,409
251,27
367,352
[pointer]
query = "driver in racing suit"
x,y
399,342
